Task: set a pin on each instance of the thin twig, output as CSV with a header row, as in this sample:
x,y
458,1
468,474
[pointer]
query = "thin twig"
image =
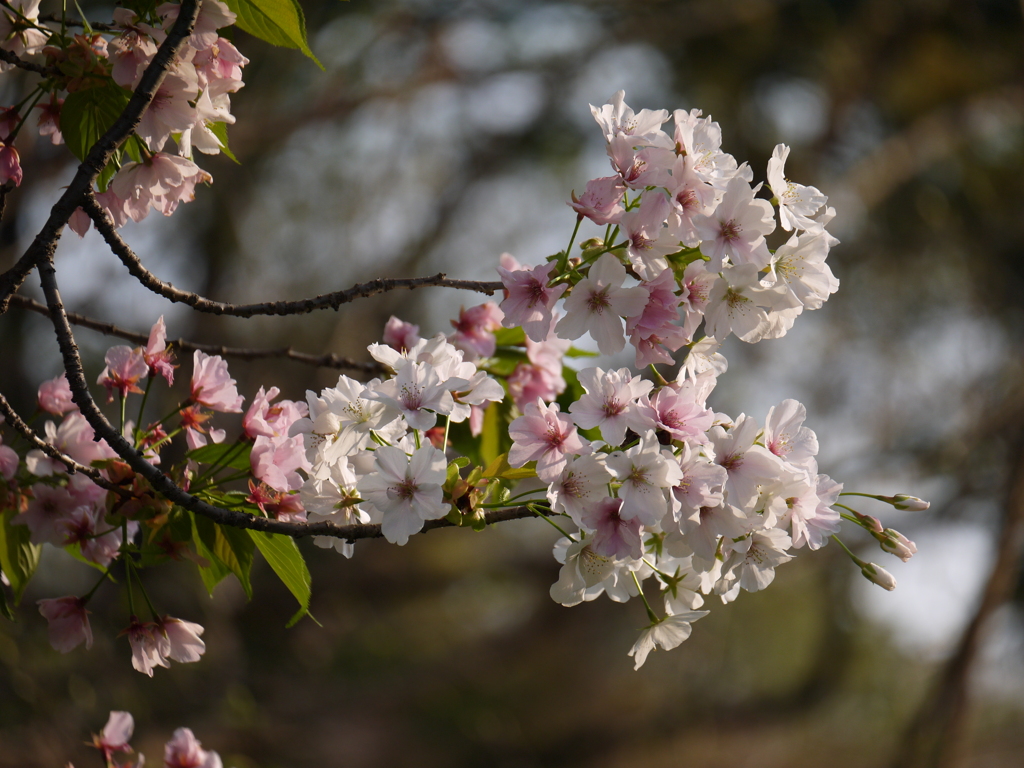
x,y
20,63
73,466
45,243
330,360
298,307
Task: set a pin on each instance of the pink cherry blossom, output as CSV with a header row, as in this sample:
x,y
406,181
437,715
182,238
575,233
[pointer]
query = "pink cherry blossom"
x,y
276,461
9,462
400,335
529,301
599,302
184,750
212,386
601,202
544,435
614,536
149,646
125,366
736,228
49,119
474,330
55,396
157,354
116,734
10,164
183,639
68,622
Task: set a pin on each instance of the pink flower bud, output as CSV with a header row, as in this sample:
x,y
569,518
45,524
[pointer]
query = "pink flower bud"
x,y
10,165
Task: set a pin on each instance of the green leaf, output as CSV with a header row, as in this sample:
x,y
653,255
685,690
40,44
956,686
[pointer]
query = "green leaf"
x,y
278,22
573,352
18,557
510,337
220,130
286,560
88,114
234,455
228,549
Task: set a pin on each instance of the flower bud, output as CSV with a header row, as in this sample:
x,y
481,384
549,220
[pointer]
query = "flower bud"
x,y
896,543
911,503
878,575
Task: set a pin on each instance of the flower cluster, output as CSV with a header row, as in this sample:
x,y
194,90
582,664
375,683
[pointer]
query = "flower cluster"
x,y
95,72
658,485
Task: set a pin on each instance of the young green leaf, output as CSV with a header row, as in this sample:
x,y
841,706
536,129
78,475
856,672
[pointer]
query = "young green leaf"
x,y
228,547
278,22
18,557
234,455
286,560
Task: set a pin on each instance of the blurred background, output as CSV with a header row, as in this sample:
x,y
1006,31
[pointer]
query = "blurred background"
x,y
444,133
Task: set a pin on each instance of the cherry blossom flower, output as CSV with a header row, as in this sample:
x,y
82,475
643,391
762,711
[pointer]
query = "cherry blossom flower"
x,y
645,471
405,490
55,396
157,353
268,420
49,119
529,300
183,643
582,483
115,735
599,302
614,536
125,366
601,202
544,435
797,203
149,646
582,569
755,557
610,403
9,462
474,330
649,240
16,36
787,438
667,633
276,461
10,162
616,118
212,387
184,750
736,228
67,622
740,304
160,182
401,335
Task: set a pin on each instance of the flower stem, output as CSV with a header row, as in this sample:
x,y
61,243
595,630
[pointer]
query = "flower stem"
x,y
655,619
550,522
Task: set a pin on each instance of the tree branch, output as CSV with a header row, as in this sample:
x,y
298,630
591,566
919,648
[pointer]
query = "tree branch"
x,y
329,360
73,466
13,58
298,307
45,243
